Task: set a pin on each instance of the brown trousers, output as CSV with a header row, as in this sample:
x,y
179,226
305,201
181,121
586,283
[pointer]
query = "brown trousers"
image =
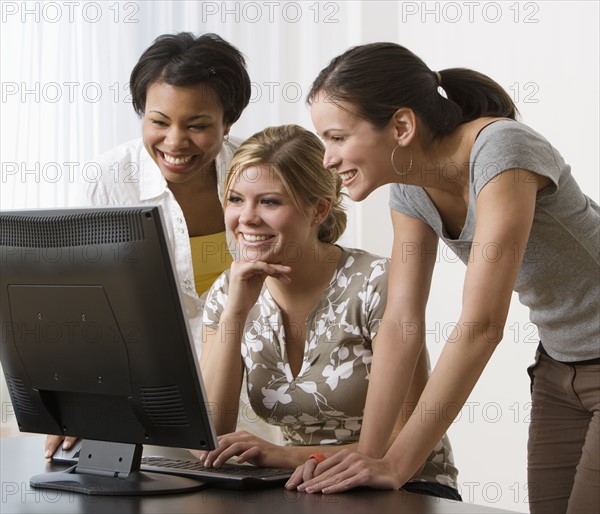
x,y
564,438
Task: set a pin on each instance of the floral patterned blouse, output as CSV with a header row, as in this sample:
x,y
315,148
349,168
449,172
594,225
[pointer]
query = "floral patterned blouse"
x,y
324,403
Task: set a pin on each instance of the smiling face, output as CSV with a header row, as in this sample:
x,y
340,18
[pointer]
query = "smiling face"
x,y
266,223
360,154
182,130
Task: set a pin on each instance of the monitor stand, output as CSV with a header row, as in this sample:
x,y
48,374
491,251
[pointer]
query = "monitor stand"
x,y
106,468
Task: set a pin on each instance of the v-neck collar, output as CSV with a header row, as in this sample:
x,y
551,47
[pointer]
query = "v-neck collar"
x,y
275,319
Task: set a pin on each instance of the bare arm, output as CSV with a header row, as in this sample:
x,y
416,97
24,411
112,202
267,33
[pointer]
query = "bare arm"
x,y
250,448
221,366
399,343
505,210
221,360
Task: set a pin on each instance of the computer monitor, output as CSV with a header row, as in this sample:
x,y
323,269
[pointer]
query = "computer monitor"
x,y
95,344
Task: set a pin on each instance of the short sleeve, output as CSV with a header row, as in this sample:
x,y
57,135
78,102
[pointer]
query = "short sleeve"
x,y
400,201
215,300
508,144
376,289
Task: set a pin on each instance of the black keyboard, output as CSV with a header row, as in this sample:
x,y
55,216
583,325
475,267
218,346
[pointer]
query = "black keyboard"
x,y
227,476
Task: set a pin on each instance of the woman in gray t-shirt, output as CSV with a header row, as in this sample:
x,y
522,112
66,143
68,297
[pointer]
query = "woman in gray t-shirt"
x,y
297,315
464,171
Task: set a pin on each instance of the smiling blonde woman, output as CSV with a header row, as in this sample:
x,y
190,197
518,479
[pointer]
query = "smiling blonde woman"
x,y
297,315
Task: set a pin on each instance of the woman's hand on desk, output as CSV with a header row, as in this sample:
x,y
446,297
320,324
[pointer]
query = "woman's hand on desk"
x,y
342,471
54,441
247,447
305,471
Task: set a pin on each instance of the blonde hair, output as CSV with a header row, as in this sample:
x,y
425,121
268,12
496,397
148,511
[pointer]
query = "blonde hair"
x,y
295,156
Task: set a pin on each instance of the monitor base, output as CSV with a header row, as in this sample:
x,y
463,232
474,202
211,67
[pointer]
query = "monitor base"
x,y
138,483
109,468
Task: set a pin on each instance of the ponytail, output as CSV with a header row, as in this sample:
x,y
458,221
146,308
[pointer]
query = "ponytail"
x,y
379,78
476,94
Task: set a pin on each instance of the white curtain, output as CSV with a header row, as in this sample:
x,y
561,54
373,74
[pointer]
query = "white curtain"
x,y
64,72
66,66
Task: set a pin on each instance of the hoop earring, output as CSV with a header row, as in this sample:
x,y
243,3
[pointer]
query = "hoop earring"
x,y
401,173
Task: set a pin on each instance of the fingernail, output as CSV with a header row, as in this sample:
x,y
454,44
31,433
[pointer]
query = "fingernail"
x,y
301,488
66,445
48,454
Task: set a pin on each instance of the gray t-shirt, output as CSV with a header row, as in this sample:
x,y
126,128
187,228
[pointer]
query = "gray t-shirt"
x,y
559,279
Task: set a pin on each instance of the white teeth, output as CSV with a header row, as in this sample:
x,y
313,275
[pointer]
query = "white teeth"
x,y
253,238
347,175
177,160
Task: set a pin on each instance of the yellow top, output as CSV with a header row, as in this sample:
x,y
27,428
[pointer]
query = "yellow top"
x,y
210,258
